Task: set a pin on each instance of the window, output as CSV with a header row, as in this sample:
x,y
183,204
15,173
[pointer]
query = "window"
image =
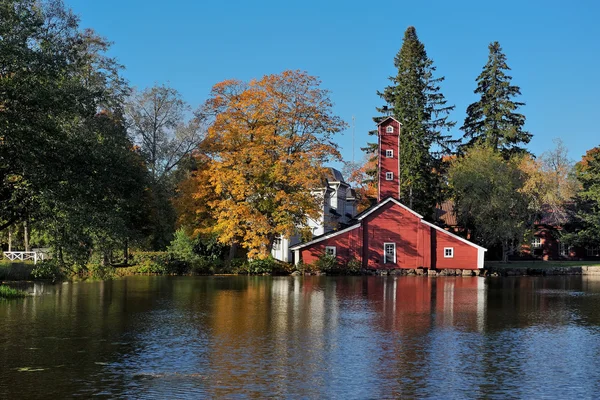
x,y
593,251
330,250
277,244
389,176
389,129
389,253
564,250
389,153
536,243
448,252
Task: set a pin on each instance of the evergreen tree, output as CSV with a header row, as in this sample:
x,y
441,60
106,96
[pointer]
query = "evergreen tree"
x,y
414,99
494,120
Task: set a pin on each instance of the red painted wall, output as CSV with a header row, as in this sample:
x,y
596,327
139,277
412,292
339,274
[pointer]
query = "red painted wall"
x,y
348,246
417,244
465,255
394,224
388,141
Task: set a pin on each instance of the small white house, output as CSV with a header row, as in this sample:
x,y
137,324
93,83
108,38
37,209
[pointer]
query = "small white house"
x,y
339,207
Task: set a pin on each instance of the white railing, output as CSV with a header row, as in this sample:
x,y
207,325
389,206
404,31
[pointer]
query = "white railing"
x,y
24,256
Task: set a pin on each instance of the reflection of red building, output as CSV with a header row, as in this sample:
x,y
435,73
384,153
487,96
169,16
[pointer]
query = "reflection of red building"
x,y
389,235
414,304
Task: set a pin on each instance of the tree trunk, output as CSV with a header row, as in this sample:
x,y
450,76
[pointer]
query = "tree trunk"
x,y
232,251
26,235
126,252
10,238
504,252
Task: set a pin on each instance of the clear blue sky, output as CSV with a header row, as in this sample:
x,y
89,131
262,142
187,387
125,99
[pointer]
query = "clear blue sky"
x,y
553,48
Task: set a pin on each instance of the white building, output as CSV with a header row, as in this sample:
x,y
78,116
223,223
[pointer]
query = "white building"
x,y
339,207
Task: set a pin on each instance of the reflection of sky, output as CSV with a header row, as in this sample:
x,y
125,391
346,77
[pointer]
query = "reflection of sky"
x,y
307,337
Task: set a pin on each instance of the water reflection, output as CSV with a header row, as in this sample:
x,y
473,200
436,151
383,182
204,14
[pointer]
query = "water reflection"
x,y
350,337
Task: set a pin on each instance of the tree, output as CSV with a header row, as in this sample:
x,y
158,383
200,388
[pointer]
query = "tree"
x,y
586,229
357,174
414,99
267,142
551,184
489,200
66,164
157,124
493,120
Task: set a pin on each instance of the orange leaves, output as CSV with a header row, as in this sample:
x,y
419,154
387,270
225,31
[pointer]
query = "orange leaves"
x,y
267,142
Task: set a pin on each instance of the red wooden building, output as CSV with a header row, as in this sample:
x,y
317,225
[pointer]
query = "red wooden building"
x,y
390,235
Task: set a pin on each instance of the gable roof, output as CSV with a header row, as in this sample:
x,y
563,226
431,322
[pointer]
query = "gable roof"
x,y
386,118
453,235
374,208
323,237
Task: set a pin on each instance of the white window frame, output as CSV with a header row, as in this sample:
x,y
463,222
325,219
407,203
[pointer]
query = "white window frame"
x,y
389,176
593,251
564,250
385,260
331,250
277,243
448,252
536,242
389,129
389,153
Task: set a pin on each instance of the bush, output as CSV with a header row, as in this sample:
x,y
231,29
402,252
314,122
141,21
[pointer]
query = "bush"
x,y
327,263
181,247
353,267
153,262
47,270
99,271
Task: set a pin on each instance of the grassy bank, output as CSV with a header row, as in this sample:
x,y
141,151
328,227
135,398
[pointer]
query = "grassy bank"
x,y
538,264
6,292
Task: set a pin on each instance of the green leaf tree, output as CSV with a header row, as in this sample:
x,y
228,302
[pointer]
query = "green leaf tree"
x,y
585,230
494,120
489,200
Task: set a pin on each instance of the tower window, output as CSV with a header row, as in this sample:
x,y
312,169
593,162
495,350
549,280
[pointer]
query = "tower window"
x,y
389,129
389,153
389,176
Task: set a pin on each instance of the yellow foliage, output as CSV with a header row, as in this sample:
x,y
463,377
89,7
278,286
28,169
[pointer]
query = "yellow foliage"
x,y
266,145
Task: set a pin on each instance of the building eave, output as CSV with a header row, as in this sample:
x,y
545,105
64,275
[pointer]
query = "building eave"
x,y
323,237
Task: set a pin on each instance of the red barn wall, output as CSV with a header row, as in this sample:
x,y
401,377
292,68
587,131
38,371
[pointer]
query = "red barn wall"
x,y
348,246
394,224
465,255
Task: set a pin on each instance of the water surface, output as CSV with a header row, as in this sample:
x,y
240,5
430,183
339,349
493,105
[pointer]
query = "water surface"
x,y
304,337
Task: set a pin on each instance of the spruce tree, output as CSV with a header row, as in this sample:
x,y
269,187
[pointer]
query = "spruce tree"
x,y
415,100
493,120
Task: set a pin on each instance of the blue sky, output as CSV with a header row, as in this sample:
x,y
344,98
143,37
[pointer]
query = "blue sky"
x,y
552,47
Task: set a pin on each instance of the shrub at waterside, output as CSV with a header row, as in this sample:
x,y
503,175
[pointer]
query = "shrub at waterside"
x,y
6,292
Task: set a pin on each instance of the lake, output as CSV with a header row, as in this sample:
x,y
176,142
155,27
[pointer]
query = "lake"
x,y
304,337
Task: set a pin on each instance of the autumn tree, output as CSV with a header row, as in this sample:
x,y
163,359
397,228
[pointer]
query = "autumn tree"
x,y
489,200
267,143
551,184
358,176
494,119
414,98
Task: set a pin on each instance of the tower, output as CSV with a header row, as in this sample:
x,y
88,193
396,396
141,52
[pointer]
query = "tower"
x,y
388,159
